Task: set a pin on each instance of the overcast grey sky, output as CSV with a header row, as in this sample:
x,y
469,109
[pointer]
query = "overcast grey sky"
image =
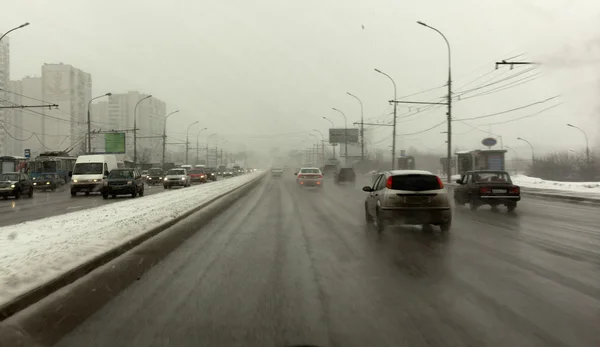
x,y
263,68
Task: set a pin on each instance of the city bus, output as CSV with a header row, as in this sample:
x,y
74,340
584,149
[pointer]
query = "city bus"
x,y
53,162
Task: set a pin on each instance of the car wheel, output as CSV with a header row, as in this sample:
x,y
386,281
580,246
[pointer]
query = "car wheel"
x,y
445,227
134,194
104,196
73,193
30,194
380,223
511,207
473,205
166,187
18,194
87,193
53,189
114,196
142,192
368,217
494,208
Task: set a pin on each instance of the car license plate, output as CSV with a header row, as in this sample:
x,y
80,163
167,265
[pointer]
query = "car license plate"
x,y
416,200
499,191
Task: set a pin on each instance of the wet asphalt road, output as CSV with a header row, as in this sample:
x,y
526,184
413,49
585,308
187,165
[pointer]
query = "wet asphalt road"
x,y
288,266
47,204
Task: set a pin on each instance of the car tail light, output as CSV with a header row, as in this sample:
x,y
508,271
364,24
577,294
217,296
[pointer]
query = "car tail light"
x,y
440,182
300,176
320,176
514,190
388,184
485,190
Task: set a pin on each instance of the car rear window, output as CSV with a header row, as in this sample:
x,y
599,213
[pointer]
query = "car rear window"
x,y
415,182
310,171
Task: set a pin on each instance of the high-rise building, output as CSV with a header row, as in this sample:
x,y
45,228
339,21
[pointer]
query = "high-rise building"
x,y
71,89
150,121
4,86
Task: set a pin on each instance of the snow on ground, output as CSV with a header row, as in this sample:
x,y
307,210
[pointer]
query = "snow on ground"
x,y
32,253
538,183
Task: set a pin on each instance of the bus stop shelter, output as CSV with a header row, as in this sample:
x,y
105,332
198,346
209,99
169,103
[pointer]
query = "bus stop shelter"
x,y
481,159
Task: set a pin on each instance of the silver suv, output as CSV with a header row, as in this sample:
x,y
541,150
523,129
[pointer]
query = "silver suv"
x,y
408,197
177,177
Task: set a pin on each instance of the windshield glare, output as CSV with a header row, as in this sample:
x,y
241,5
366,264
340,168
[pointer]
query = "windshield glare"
x,y
154,172
121,174
88,169
9,177
483,177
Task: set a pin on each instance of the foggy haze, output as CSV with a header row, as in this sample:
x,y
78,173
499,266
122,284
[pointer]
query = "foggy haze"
x,y
264,73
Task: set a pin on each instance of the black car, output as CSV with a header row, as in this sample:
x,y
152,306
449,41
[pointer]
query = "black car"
x,y
345,174
15,184
47,181
123,181
155,176
488,187
211,173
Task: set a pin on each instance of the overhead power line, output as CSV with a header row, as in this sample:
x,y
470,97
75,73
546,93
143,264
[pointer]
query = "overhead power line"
x,y
511,110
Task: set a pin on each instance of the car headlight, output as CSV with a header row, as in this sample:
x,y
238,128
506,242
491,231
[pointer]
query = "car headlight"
x,y
95,180
47,183
183,178
165,178
160,178
150,178
35,184
129,183
74,181
12,185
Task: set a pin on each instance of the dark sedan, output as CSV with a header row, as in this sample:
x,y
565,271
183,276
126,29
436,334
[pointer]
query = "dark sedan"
x,y
123,182
478,188
47,181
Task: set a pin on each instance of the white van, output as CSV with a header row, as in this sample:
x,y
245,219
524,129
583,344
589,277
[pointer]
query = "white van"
x,y
90,171
187,167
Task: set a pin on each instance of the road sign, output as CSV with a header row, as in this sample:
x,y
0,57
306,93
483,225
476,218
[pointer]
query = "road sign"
x,y
114,143
489,142
403,153
337,135
27,153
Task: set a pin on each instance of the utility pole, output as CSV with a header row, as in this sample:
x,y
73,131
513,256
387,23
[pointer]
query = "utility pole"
x,y
449,113
208,138
89,121
187,142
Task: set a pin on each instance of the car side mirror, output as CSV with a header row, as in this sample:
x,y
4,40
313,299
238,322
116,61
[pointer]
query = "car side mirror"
x,y
295,174
367,189
70,173
106,173
459,181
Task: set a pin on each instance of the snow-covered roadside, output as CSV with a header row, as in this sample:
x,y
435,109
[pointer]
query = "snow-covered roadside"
x,y
538,183
33,253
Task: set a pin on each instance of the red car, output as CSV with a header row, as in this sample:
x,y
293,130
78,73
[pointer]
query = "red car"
x,y
198,175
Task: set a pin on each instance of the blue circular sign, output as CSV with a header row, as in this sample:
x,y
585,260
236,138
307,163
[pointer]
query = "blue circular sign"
x,y
489,142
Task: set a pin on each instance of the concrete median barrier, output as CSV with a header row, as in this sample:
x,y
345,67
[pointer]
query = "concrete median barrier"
x,y
48,312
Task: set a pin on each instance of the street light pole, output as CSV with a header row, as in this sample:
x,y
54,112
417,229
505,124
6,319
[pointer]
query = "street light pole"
x,y
516,159
587,143
530,145
395,118
164,145
362,127
13,29
135,128
332,144
322,145
89,120
187,142
345,135
449,113
208,138
198,145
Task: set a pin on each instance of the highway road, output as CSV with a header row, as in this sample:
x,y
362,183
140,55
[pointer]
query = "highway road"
x,y
288,266
47,204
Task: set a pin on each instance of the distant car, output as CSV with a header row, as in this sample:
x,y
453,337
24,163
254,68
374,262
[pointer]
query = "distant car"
x,y
488,187
211,173
198,175
155,176
123,182
309,177
15,184
405,197
221,170
228,173
330,170
276,172
344,174
144,174
177,178
237,170
48,181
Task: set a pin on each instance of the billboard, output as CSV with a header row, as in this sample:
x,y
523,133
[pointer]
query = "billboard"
x,y
114,143
337,135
